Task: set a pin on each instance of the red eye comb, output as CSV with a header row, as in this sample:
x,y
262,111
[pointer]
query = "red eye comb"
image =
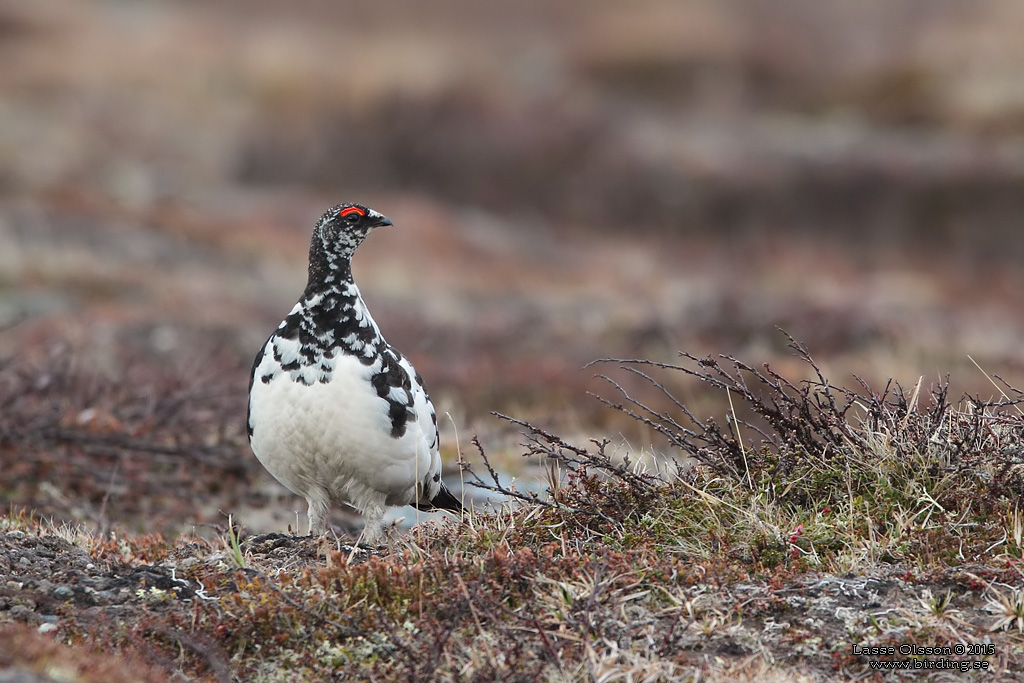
x,y
350,210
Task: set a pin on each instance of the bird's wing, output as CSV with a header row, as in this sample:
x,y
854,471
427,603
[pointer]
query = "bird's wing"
x,y
426,417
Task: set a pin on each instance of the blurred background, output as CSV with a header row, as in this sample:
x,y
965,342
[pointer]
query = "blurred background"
x,y
569,181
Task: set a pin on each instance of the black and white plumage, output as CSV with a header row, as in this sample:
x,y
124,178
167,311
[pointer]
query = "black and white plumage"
x,y
335,413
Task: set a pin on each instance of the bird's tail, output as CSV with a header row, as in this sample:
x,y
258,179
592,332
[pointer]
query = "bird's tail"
x,y
444,500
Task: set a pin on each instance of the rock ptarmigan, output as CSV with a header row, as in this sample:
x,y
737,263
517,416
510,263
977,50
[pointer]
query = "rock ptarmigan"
x,y
336,414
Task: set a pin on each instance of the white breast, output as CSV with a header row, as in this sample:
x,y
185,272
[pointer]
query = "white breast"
x,y
333,440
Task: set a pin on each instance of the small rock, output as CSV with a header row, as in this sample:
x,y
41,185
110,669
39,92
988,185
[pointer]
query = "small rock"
x,y
63,593
19,675
188,562
24,560
22,613
47,627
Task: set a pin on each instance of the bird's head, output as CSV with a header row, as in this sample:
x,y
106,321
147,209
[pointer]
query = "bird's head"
x,y
343,227
336,236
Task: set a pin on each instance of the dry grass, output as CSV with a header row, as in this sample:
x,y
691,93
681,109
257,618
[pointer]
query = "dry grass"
x,y
844,517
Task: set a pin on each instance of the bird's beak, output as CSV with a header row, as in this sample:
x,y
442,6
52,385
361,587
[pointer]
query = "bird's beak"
x,y
380,219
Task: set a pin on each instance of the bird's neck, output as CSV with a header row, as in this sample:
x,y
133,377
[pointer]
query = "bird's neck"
x,y
328,269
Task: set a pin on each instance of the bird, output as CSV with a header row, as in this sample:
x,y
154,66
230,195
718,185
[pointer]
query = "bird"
x,y
336,414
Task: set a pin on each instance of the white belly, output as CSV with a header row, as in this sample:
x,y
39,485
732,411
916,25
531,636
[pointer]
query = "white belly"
x,y
332,441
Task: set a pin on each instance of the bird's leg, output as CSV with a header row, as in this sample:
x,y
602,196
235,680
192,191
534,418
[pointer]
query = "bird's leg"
x,y
373,526
317,516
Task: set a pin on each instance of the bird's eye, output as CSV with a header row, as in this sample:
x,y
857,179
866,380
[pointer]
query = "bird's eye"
x,y
352,214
